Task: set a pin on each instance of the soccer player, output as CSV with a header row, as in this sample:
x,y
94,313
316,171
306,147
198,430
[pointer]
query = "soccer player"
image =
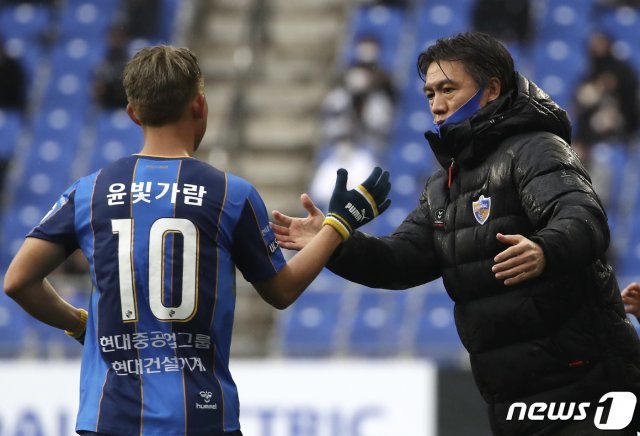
x,y
163,233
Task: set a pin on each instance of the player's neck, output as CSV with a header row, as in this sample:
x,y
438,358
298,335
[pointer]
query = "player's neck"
x,y
168,141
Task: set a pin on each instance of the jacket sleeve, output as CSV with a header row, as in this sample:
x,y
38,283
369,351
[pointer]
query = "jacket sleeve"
x,y
557,195
400,261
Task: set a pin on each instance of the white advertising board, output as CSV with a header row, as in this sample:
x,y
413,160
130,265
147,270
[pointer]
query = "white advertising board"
x,y
277,398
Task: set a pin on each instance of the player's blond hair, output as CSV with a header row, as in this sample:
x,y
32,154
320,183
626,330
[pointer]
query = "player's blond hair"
x,y
160,81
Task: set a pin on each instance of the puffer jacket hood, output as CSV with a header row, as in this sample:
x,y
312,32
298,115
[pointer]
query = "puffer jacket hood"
x,y
526,109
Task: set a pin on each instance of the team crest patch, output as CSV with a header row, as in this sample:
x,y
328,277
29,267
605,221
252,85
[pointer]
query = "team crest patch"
x,y
482,209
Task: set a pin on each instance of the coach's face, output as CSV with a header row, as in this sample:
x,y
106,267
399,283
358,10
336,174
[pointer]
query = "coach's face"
x,y
448,86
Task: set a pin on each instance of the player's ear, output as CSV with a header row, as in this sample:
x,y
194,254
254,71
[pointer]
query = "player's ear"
x,y
132,114
198,106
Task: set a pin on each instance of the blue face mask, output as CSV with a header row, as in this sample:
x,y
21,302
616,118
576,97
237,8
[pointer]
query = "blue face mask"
x,y
464,112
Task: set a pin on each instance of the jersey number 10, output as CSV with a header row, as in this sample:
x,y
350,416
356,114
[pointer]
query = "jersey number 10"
x,y
157,235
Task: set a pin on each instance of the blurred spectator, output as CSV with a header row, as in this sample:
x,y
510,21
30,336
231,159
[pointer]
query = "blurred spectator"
x,y
606,99
357,160
107,87
361,106
507,20
12,82
141,18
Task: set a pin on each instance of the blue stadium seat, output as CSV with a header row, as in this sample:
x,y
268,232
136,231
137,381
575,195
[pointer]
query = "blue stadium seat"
x,y
566,20
13,327
87,19
24,20
436,334
28,53
10,128
609,164
385,24
77,55
116,137
67,90
623,24
377,323
309,327
558,66
440,18
16,224
167,19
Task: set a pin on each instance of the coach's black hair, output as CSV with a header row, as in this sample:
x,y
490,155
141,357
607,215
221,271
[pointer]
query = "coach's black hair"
x,y
482,55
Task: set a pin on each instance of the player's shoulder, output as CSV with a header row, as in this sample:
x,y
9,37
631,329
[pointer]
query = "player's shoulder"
x,y
239,185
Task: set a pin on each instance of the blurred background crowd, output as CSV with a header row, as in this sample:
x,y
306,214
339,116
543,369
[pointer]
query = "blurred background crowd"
x,y
297,89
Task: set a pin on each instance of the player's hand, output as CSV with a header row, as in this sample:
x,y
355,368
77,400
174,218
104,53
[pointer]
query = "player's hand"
x,y
522,261
79,333
294,233
631,299
351,209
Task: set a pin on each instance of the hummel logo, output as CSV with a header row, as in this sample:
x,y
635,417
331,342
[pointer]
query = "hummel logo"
x,y
206,395
359,216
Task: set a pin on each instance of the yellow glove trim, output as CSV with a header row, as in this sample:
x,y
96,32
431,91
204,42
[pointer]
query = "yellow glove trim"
x,y
339,225
83,318
363,191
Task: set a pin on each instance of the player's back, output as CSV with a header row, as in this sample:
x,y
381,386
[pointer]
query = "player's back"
x,y
163,237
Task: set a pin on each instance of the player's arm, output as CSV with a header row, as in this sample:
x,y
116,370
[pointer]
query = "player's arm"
x,y
348,210
25,282
287,285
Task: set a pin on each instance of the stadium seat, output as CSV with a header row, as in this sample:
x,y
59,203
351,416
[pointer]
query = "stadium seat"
x,y
68,90
87,19
609,164
385,24
77,55
440,18
310,326
14,327
29,54
24,20
116,136
377,323
623,24
558,66
10,129
566,20
436,335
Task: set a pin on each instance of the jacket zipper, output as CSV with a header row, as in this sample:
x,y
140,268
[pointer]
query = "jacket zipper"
x,y
453,162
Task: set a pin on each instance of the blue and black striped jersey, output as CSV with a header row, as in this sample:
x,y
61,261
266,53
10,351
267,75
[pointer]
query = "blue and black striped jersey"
x,y
163,237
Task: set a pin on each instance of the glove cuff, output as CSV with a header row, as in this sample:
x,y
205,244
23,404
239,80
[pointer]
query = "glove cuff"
x,y
339,224
77,334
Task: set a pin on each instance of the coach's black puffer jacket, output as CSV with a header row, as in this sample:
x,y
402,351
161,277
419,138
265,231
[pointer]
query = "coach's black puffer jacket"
x,y
560,337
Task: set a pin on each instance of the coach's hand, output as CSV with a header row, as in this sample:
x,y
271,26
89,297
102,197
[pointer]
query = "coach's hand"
x,y
351,209
79,333
523,260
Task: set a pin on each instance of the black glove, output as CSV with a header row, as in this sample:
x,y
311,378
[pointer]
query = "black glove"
x,y
79,334
349,210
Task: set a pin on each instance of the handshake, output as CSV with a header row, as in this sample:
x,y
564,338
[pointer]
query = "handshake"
x,y
351,209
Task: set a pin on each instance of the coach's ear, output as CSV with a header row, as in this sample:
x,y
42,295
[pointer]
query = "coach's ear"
x,y
132,115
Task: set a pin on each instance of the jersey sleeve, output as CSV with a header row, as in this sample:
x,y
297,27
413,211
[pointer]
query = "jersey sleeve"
x,y
58,225
255,249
